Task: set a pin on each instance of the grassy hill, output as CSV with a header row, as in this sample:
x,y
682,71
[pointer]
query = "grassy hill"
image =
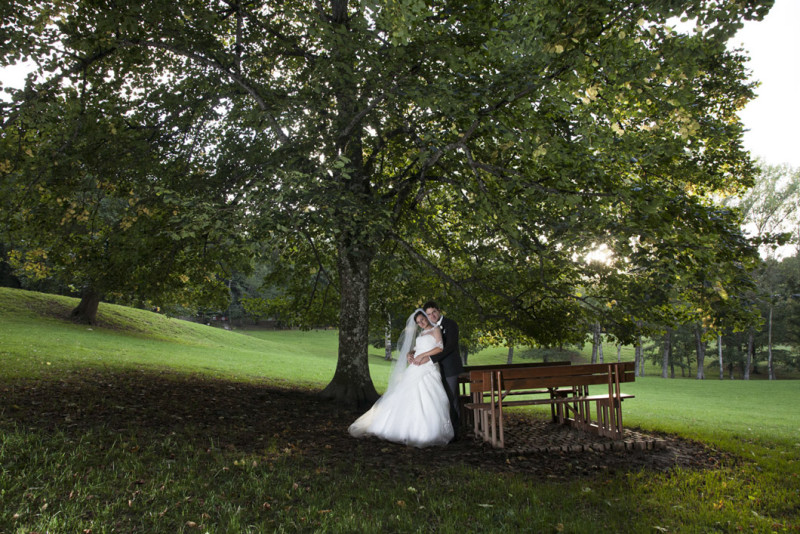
x,y
37,337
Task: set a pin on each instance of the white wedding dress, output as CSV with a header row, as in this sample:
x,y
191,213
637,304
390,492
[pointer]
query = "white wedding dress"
x,y
414,410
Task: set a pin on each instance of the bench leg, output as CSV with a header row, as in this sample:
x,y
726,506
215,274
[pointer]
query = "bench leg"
x,y
466,419
609,418
603,416
501,442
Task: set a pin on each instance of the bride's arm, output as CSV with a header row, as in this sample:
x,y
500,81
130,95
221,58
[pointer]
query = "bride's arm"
x,y
419,359
425,356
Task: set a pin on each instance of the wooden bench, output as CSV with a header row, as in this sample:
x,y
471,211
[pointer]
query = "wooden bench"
x,y
465,397
565,388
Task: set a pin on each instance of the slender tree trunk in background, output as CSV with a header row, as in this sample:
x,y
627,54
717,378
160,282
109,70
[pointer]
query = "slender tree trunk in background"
x,y
228,311
600,348
510,358
719,351
595,341
638,352
86,310
701,352
750,351
464,355
619,353
639,357
770,367
388,338
730,371
665,355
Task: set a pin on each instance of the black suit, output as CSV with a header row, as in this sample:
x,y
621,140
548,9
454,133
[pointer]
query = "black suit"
x,y
450,365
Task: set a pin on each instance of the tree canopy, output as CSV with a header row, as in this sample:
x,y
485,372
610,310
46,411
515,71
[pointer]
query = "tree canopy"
x,y
472,151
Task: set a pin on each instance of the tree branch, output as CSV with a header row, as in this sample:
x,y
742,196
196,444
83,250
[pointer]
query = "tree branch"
x,y
217,66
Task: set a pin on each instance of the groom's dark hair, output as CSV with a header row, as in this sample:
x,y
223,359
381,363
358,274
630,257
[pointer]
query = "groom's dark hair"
x,y
430,304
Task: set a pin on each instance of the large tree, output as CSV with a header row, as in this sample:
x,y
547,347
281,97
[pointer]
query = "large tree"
x,y
112,210
493,144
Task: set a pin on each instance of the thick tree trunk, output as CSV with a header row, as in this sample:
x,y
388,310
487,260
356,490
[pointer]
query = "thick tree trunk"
x,y
86,310
351,384
510,357
701,352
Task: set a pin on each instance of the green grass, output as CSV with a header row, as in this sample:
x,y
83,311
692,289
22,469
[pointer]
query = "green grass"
x,y
105,480
712,408
35,337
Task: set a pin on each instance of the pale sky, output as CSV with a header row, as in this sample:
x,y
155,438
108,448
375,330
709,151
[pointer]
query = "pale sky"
x,y
772,119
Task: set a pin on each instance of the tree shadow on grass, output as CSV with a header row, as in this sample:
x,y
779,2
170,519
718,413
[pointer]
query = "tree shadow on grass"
x,y
254,418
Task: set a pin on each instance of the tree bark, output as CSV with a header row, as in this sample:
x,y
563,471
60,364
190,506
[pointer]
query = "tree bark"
x,y
599,348
388,338
510,357
639,356
750,350
719,351
595,342
701,352
86,310
770,367
665,356
351,384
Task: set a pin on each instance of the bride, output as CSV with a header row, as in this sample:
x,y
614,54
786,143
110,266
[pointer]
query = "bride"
x,y
415,409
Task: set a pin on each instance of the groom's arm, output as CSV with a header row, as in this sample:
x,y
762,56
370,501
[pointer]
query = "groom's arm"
x,y
450,342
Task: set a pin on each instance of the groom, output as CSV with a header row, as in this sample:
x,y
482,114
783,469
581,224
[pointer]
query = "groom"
x,y
449,359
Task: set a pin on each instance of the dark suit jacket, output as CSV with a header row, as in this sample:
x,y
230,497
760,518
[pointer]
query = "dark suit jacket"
x,y
449,359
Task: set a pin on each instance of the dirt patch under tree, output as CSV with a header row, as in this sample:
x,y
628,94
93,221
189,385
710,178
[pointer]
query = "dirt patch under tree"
x,y
250,417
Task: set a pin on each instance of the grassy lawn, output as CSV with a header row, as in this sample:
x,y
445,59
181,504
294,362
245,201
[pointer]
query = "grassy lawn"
x,y
133,474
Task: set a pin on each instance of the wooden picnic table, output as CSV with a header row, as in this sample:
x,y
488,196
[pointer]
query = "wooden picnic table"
x,y
564,387
464,382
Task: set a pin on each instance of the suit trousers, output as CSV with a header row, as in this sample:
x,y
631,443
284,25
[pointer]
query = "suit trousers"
x,y
451,387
